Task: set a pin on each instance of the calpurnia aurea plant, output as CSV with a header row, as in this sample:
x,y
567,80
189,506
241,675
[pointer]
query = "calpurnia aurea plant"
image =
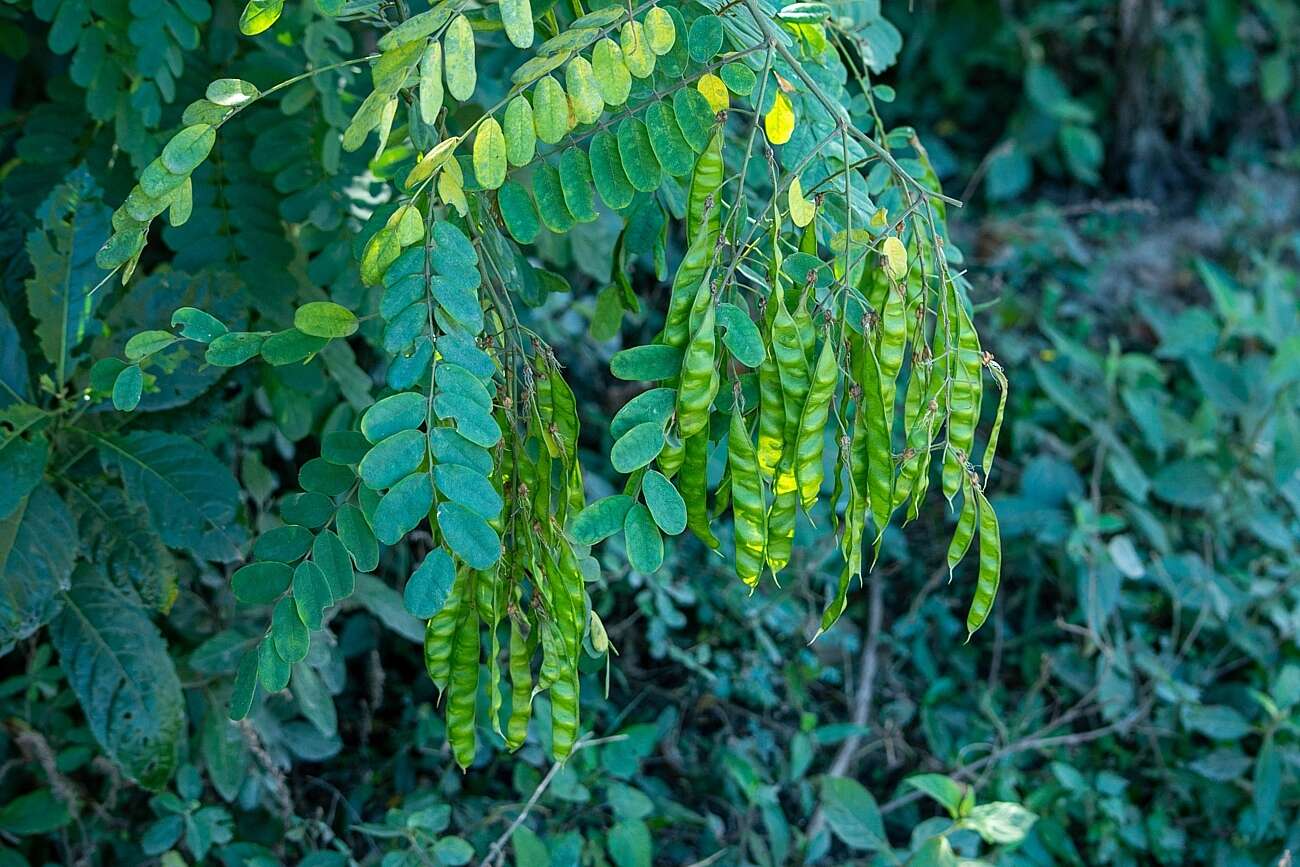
x,y
814,325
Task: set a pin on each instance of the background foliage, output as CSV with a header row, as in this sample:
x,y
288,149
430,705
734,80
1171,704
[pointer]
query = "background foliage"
x,y
1133,189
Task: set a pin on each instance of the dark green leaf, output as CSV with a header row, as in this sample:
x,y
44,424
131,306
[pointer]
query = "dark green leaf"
x,y
38,812
190,496
116,662
607,171
283,544
468,535
319,476
405,505
146,343
38,547
518,212
261,583
330,554
468,487
638,156
325,319
549,193
705,39
127,388
638,447
233,349
344,447
576,185
355,534
245,687
429,586
393,459
291,347
600,519
645,363
741,335
645,545
188,148
394,413
198,325
60,294
666,138
272,671
292,640
853,815
666,505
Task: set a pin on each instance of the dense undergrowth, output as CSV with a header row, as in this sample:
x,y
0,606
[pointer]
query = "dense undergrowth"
x,y
1134,697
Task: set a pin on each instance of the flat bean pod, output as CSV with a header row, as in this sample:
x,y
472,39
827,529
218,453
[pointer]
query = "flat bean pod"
x,y
670,460
915,456
880,458
748,507
521,689
462,687
991,450
780,528
688,282
811,440
439,632
837,604
564,714
702,199
704,225
963,396
491,590
694,487
893,343
699,379
986,589
792,365
572,623
965,532
771,417
807,330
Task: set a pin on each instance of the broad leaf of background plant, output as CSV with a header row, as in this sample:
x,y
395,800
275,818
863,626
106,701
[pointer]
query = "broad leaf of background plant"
x,y
23,454
190,496
38,544
74,223
149,304
117,663
13,362
119,538
852,813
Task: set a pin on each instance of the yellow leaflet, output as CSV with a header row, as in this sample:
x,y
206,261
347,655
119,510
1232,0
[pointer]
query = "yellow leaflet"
x,y
895,255
660,30
458,59
431,162
599,637
408,224
490,155
517,18
451,188
802,211
714,91
585,100
638,57
779,122
431,83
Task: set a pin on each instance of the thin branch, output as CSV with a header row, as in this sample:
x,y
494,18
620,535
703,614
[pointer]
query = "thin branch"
x,y
863,698
1033,742
496,852
837,111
